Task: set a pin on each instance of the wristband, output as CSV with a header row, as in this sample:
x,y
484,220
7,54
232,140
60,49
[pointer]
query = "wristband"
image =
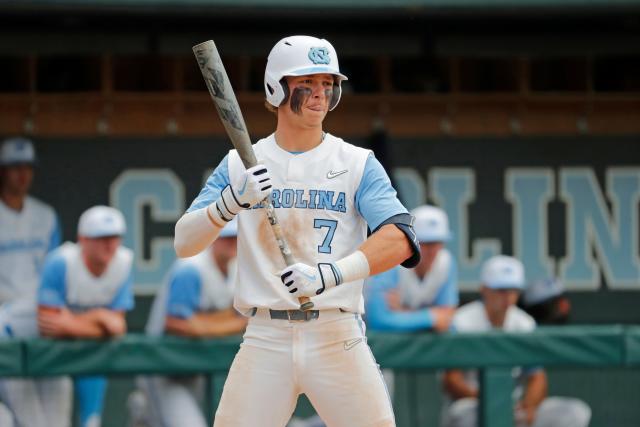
x,y
351,268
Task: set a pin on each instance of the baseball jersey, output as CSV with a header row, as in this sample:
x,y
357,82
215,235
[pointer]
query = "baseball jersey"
x,y
324,198
472,317
66,281
25,239
194,284
437,288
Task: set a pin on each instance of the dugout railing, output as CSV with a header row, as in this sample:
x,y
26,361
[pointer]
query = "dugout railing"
x,y
494,353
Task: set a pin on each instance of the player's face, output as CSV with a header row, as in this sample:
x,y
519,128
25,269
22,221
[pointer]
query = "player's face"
x,y
16,179
498,301
429,252
224,249
100,251
309,98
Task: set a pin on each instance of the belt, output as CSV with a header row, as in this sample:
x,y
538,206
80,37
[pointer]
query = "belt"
x,y
294,315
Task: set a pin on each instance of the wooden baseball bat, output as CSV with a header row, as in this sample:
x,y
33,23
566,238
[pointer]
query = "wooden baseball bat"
x,y
228,108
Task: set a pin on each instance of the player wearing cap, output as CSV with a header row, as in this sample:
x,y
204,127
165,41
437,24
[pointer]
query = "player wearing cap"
x,y
85,292
421,298
29,229
502,281
194,302
325,192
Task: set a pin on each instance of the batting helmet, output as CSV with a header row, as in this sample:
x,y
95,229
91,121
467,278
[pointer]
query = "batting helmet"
x,y
300,56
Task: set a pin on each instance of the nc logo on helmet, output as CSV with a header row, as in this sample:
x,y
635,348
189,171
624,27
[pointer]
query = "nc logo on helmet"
x,y
319,55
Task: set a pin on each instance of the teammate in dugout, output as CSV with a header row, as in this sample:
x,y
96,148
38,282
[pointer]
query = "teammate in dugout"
x,y
326,192
29,230
195,302
85,292
502,282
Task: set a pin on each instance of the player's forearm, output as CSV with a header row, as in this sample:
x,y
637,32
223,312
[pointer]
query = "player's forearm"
x,y
456,386
385,249
194,233
535,391
201,326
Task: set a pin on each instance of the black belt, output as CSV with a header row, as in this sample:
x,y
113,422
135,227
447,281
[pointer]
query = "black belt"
x,y
297,315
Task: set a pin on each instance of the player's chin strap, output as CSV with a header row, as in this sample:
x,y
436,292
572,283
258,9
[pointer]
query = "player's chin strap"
x,y
348,269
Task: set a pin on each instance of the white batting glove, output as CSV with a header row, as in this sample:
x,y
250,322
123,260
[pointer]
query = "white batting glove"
x,y
249,189
303,280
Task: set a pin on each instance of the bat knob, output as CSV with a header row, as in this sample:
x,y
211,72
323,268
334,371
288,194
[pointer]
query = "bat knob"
x,y
306,306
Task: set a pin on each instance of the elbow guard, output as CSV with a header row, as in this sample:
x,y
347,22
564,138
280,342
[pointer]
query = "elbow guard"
x,y
405,223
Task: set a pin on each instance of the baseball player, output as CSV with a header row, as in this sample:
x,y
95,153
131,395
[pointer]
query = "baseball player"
x,y
502,282
29,229
85,292
422,298
194,302
326,192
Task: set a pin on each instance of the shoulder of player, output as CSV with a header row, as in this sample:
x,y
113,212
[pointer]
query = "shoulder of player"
x,y
42,209
60,256
520,320
124,255
466,318
347,147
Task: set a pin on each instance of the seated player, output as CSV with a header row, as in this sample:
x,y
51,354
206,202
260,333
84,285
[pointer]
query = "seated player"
x,y
195,302
85,292
502,282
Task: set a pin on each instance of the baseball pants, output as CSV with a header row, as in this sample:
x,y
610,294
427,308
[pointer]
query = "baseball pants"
x,y
327,359
552,412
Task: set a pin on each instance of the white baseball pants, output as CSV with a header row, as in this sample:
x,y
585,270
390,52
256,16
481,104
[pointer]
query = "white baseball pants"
x,y
327,359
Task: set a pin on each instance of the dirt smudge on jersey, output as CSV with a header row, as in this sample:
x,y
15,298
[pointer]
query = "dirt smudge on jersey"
x,y
297,228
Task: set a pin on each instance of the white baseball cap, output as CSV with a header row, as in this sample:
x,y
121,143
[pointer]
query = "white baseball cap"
x,y
542,290
431,224
17,150
101,221
231,229
503,272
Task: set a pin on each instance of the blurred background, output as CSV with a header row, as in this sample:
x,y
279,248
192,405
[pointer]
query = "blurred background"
x,y
520,118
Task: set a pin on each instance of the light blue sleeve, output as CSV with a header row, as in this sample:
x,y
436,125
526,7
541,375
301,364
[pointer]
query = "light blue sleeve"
x,y
53,289
184,292
376,199
214,186
123,300
448,294
378,314
56,235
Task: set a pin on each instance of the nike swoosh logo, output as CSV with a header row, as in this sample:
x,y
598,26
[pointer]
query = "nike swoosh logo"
x,y
349,344
332,174
244,187
312,277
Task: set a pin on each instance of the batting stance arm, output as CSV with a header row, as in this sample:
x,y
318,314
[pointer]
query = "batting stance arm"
x,y
194,233
386,248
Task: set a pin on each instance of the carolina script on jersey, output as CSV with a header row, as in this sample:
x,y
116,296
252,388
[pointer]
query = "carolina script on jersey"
x,y
308,199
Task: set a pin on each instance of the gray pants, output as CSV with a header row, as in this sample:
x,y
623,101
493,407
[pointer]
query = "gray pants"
x,y
37,403
552,412
173,402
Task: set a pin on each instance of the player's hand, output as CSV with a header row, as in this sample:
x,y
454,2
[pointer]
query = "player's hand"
x,y
442,317
303,280
55,323
249,189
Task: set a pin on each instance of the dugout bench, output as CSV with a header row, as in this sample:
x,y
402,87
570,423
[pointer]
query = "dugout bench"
x,y
494,353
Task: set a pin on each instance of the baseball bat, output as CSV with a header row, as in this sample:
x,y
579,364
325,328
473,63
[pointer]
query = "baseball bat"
x,y
228,109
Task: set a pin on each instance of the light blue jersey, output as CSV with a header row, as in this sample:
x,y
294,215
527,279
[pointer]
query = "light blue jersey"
x,y
66,282
26,237
437,288
194,285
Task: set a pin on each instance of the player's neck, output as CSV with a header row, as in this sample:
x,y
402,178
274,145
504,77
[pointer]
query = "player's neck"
x,y
96,269
298,140
13,201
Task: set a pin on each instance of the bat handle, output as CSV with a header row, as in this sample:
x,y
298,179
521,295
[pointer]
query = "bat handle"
x,y
305,303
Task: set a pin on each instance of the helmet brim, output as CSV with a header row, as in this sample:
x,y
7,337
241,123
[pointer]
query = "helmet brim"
x,y
315,70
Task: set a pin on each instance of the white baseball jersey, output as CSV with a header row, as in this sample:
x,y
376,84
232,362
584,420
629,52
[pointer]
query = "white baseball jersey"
x,y
66,281
194,284
472,317
324,199
25,239
417,293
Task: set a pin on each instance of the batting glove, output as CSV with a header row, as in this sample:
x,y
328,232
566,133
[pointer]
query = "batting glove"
x,y
249,189
303,280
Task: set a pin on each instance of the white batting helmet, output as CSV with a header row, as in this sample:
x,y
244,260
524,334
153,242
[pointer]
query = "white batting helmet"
x,y
300,56
431,224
